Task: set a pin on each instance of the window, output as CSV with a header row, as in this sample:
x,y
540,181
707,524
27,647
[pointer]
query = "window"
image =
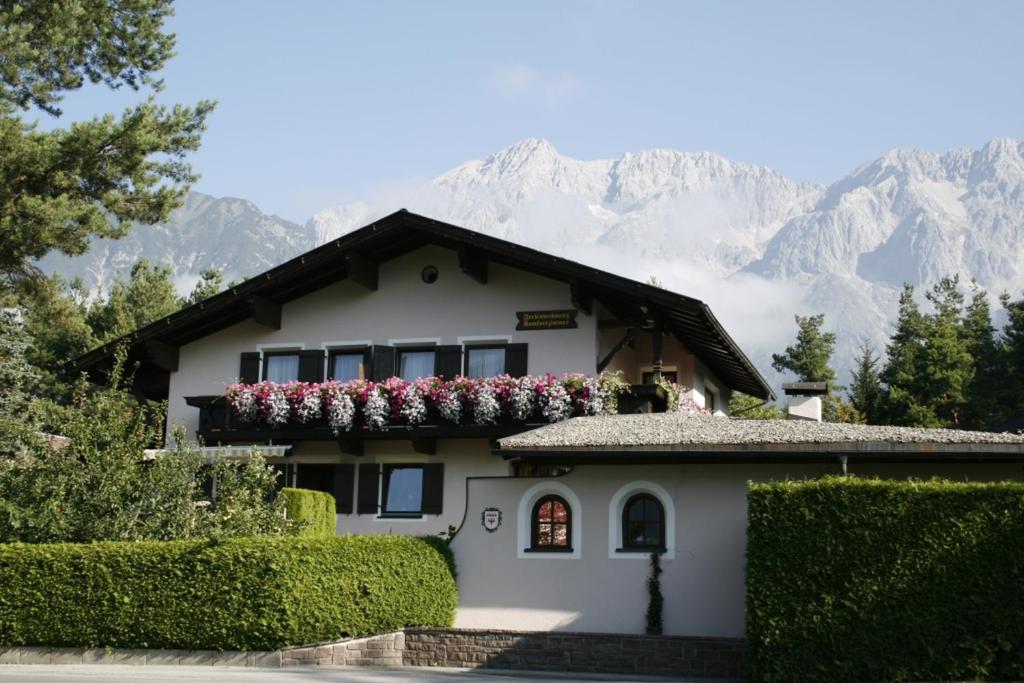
x,y
643,523
402,489
281,366
346,365
710,399
415,363
485,361
648,377
551,525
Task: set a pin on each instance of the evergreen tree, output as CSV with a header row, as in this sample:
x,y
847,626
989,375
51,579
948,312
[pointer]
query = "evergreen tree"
x,y
61,187
1012,357
211,281
752,408
17,378
947,367
904,364
809,358
865,391
147,295
982,408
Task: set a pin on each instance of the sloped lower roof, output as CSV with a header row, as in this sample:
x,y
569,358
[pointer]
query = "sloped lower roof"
x,y
690,320
682,432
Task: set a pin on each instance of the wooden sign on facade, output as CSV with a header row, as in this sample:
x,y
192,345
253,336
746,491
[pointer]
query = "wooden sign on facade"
x,y
546,320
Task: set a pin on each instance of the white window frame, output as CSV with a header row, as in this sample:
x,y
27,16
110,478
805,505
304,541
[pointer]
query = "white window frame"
x,y
525,521
260,348
615,509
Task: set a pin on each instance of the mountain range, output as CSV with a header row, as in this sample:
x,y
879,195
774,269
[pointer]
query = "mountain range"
x,y
754,244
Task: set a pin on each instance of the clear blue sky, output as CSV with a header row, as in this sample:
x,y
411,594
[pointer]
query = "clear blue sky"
x,y
321,102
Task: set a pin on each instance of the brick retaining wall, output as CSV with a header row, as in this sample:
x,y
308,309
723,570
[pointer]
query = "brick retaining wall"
x,y
532,650
463,648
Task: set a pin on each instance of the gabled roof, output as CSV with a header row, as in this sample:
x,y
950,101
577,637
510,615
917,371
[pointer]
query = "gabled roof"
x,y
356,254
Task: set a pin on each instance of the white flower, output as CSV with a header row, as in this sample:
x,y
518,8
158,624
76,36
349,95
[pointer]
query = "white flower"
x,y
414,408
376,410
449,405
521,399
485,405
243,401
341,411
276,406
594,403
557,403
309,407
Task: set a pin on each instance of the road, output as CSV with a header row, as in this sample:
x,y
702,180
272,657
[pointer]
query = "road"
x,y
173,674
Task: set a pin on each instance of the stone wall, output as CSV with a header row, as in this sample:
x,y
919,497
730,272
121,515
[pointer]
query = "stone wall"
x,y
539,651
580,652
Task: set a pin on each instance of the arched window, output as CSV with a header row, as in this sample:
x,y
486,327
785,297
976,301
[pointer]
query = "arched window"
x,y
551,523
643,523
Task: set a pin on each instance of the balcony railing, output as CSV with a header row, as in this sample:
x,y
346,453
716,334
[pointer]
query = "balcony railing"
x,y
218,424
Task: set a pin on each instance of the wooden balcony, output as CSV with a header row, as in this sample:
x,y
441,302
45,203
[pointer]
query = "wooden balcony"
x,y
218,425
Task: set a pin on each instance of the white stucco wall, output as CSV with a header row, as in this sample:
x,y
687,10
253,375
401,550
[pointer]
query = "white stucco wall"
x,y
703,580
403,307
462,458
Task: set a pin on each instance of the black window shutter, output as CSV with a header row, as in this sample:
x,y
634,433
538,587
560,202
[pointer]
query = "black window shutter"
x,y
515,360
344,481
249,370
433,488
368,362
311,366
369,487
383,363
447,361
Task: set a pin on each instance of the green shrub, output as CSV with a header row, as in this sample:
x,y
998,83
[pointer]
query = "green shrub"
x,y
313,510
868,580
241,593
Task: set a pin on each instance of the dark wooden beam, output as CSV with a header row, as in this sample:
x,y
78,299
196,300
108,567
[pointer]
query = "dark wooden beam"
x,y
656,346
626,339
351,446
582,299
473,263
362,270
425,446
265,312
613,323
162,354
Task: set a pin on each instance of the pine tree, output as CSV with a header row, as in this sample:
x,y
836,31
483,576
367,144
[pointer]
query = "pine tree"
x,y
61,187
947,368
211,281
904,364
982,408
809,358
1012,357
147,295
865,391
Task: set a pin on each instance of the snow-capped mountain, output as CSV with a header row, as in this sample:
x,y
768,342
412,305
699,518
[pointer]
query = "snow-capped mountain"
x,y
754,244
229,234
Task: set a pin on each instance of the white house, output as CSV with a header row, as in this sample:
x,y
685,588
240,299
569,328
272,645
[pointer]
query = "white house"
x,y
553,524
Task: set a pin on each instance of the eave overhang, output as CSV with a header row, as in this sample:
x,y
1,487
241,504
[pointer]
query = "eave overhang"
x,y
355,256
775,453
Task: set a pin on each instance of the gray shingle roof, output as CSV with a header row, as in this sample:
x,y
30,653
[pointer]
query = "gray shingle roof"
x,y
681,431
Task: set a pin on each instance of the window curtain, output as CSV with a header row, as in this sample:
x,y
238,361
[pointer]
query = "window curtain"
x,y
486,362
282,368
346,366
415,364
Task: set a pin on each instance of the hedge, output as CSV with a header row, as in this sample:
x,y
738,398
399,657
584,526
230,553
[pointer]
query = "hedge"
x,y
314,509
238,594
868,580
